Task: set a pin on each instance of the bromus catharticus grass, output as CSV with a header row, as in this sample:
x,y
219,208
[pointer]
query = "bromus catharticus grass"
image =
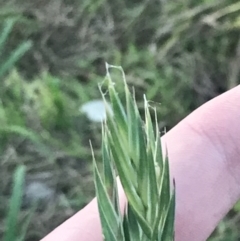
x,y
131,149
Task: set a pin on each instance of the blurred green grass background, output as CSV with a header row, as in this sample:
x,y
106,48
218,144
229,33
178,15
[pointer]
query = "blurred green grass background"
x,y
52,57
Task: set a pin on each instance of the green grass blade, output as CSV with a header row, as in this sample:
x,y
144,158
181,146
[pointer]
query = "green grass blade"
x,y
108,233
14,57
117,106
168,229
111,222
132,227
15,205
148,124
143,177
7,28
158,155
130,191
26,223
152,190
109,172
133,137
107,166
164,200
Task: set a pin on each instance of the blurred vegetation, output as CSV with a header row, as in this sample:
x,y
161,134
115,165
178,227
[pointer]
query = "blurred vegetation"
x,y
180,53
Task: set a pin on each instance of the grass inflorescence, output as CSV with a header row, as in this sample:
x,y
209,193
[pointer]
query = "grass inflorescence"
x,y
131,148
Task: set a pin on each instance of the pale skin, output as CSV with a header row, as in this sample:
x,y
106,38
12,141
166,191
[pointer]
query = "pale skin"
x,y
204,155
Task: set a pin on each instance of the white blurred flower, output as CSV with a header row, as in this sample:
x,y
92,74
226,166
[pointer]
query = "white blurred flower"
x,y
95,110
37,191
